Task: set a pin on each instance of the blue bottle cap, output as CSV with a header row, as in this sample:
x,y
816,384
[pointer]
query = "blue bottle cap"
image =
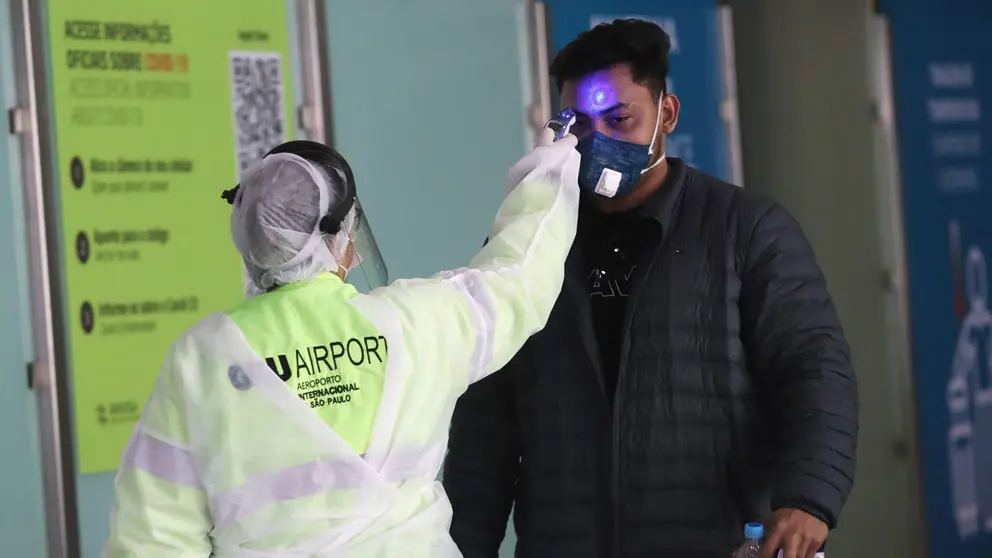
x,y
754,530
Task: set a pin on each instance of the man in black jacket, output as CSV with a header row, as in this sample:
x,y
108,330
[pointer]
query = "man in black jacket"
x,y
693,375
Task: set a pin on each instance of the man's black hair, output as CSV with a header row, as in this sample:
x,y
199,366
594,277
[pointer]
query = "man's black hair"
x,y
640,44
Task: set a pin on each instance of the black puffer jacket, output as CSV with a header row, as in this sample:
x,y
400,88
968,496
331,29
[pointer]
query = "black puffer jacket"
x,y
735,397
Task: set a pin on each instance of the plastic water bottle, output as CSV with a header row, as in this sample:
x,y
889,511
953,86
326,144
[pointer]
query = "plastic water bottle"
x,y
751,548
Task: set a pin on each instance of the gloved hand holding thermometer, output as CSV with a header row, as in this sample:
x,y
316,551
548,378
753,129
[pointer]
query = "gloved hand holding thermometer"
x,y
554,153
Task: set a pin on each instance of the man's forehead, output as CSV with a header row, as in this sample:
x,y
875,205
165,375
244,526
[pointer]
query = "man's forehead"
x,y
601,91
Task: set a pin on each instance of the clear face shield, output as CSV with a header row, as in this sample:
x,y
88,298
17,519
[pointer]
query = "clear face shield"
x,y
344,226
367,269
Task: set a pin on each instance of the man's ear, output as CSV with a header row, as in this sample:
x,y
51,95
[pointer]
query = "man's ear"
x,y
669,113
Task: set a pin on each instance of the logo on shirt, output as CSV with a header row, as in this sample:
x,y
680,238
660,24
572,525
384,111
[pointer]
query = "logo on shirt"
x,y
608,285
321,359
321,372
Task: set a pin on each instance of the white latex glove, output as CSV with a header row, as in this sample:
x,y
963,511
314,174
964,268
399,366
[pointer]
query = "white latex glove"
x,y
550,161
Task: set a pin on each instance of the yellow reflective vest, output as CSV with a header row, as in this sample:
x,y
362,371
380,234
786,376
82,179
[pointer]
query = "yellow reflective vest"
x,y
312,421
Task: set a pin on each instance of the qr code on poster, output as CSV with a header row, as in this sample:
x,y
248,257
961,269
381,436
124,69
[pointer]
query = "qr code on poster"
x,y
258,105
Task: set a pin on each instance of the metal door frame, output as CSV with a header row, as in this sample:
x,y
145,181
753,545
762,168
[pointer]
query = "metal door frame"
x,y
888,188
31,121
729,109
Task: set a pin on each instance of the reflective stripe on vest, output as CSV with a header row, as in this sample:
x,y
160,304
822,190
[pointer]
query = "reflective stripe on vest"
x,y
323,349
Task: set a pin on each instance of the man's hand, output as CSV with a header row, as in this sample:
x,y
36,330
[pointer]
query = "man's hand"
x,y
797,533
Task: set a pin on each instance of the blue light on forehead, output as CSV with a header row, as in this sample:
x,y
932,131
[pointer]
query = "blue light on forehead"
x,y
599,94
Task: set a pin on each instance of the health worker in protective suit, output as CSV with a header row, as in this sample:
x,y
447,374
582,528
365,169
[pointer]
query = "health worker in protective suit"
x,y
311,420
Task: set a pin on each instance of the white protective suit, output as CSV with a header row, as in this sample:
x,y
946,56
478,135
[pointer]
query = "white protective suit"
x,y
228,461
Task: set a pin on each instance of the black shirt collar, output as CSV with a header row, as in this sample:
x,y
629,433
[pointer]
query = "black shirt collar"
x,y
661,206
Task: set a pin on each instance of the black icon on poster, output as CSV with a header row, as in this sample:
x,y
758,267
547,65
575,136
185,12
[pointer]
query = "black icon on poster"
x,y
82,247
77,172
86,317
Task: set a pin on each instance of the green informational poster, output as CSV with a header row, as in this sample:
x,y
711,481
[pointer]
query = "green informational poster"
x,y
158,106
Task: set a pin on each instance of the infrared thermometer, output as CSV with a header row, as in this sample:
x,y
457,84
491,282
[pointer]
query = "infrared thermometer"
x,y
561,123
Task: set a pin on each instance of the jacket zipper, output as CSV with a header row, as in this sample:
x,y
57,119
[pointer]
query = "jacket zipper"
x,y
625,348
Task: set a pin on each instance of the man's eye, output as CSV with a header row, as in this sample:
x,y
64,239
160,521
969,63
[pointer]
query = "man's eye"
x,y
619,119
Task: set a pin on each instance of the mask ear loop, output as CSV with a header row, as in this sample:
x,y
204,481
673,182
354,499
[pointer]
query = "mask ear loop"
x,y
654,138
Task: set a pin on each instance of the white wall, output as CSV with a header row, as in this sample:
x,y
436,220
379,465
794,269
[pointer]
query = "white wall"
x,y
427,107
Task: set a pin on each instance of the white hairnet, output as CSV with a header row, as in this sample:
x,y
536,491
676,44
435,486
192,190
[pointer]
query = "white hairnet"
x,y
276,221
